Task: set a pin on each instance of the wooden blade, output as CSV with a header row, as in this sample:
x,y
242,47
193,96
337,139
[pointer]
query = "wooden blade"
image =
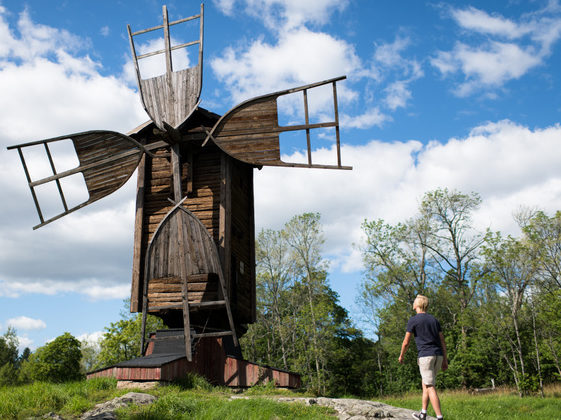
x,y
250,131
171,97
107,159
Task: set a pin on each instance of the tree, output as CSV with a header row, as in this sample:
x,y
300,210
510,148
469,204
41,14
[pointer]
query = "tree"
x,y
122,338
452,240
300,324
304,235
56,361
514,270
397,267
544,235
8,357
9,347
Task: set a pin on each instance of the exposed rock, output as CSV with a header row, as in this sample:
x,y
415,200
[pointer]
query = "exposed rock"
x,y
352,409
106,410
137,384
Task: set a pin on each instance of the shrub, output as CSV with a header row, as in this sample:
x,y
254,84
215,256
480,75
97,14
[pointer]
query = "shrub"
x,y
57,361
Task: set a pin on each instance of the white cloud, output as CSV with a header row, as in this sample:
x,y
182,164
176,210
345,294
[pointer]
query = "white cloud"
x,y
91,338
285,14
225,6
59,91
26,323
92,288
391,67
300,57
104,30
508,51
508,164
370,118
397,95
24,341
480,21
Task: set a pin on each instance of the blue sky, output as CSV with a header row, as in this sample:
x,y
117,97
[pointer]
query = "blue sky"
x,y
464,95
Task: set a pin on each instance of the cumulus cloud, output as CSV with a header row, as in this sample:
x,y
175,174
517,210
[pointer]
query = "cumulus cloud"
x,y
299,57
26,323
285,14
92,339
507,163
390,67
95,289
503,49
58,91
24,341
371,118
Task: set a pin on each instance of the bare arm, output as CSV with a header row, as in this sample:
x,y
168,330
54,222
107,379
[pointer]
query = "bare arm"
x,y
443,345
405,346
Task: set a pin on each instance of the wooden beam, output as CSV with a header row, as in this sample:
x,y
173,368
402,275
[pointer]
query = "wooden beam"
x,y
136,286
225,217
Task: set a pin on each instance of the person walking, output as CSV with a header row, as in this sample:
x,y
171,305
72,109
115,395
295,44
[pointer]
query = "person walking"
x,y
431,349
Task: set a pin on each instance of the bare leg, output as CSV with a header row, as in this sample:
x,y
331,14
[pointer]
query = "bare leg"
x,y
425,400
433,396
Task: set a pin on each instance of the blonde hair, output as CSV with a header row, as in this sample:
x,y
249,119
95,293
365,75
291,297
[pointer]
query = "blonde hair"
x,y
422,302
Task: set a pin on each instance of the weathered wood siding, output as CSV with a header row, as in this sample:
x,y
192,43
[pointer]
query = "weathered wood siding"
x,y
242,239
251,134
220,195
211,362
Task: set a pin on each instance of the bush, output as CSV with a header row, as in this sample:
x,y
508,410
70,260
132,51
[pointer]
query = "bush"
x,y
57,361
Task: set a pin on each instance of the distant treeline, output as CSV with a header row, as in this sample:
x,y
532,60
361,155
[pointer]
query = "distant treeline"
x,y
497,297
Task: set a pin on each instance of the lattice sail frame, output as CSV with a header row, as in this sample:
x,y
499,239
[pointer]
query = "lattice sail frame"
x,y
172,97
107,159
250,131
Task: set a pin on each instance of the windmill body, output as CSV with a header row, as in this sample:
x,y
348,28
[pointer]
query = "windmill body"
x,y
194,250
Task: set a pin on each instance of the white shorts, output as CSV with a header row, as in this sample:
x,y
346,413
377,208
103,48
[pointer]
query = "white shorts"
x,y
429,366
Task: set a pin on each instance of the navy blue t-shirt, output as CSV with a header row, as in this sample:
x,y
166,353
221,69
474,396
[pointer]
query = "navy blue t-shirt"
x,y
426,329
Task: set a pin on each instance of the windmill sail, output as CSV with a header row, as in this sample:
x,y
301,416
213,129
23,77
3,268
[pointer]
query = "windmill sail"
x,y
107,159
250,131
170,98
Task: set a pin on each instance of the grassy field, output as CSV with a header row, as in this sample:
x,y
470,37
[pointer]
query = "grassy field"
x,y
196,399
193,400
502,404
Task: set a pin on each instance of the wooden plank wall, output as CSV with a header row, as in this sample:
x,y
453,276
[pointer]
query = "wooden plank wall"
x,y
242,237
211,362
154,191
203,172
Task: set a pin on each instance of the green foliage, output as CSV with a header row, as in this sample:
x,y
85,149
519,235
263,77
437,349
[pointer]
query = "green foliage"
x,y
300,324
70,398
56,361
9,361
8,374
193,381
9,347
122,339
497,298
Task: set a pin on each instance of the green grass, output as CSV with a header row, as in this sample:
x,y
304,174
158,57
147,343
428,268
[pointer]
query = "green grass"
x,y
199,405
194,398
73,398
497,406
191,398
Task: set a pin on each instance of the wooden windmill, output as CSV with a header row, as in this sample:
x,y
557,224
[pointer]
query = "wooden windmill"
x,y
194,257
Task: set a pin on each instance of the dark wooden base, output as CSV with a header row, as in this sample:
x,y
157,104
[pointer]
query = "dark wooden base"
x,y
210,359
